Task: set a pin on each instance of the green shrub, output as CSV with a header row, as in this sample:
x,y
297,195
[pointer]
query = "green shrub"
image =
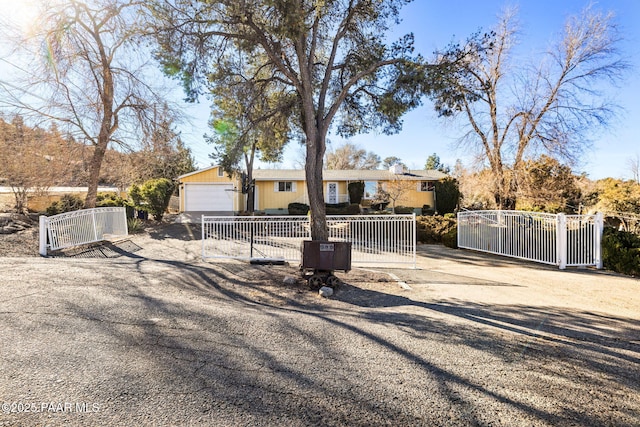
x,y
448,193
134,225
450,238
342,209
403,210
153,196
109,199
67,203
428,210
353,209
431,229
298,209
356,191
621,251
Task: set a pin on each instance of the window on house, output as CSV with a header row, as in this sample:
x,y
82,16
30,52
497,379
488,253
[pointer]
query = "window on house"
x,y
370,189
284,186
220,172
427,186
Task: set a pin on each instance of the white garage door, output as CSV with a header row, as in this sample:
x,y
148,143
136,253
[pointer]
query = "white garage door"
x,y
208,197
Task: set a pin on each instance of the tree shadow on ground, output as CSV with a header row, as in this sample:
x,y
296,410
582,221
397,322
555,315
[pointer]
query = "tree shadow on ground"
x,y
605,343
482,259
180,231
238,345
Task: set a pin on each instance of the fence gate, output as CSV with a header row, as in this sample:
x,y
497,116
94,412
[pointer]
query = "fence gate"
x,y
562,240
375,239
80,227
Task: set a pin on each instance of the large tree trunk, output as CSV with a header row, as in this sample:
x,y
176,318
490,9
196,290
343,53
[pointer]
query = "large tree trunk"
x,y
313,174
251,195
108,126
104,137
251,188
94,175
504,194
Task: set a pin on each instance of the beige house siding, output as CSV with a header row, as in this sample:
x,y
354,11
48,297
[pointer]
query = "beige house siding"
x,y
269,198
415,199
412,196
207,175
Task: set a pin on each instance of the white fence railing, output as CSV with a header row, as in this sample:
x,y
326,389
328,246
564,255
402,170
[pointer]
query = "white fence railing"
x,y
375,239
81,227
562,240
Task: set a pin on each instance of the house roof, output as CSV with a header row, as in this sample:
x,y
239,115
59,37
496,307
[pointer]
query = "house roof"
x,y
337,175
347,175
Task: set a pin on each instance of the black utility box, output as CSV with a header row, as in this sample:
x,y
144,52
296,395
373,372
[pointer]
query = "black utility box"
x,y
327,256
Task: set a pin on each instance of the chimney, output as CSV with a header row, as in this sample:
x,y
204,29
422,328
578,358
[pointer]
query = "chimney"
x,y
396,169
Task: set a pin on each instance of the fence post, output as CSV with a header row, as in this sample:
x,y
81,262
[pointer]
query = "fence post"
x,y
598,225
413,233
43,235
95,228
124,219
459,229
203,225
561,241
501,230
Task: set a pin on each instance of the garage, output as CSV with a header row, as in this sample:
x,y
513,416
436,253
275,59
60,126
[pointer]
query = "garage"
x,y
208,197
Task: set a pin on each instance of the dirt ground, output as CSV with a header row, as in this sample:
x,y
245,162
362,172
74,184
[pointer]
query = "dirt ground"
x,y
143,332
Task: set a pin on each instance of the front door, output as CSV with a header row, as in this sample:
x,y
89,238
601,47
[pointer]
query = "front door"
x,y
332,193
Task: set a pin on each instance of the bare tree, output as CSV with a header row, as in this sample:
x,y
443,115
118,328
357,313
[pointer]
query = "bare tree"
x,y
391,161
91,78
634,167
396,188
349,156
33,159
550,107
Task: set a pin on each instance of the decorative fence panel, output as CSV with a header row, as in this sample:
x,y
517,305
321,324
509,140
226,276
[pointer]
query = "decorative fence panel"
x,y
81,227
562,240
375,239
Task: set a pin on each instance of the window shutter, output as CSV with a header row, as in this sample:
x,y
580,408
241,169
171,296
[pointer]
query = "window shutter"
x,y
419,186
294,187
275,187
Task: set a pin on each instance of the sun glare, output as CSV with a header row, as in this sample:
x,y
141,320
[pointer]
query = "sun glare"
x,y
21,14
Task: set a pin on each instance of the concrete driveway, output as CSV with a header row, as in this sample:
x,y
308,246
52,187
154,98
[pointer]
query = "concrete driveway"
x,y
150,335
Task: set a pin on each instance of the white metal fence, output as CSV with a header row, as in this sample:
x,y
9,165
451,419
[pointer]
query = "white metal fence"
x,y
81,227
562,240
375,239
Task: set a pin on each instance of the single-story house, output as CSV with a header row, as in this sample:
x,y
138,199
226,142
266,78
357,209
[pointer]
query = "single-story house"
x,y
211,190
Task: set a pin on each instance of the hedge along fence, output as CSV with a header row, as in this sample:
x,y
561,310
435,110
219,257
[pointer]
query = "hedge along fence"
x,y
621,251
436,229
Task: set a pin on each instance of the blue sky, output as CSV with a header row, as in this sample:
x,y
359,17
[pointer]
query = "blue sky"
x,y
435,23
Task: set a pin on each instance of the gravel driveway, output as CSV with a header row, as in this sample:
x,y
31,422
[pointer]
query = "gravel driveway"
x,y
151,335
